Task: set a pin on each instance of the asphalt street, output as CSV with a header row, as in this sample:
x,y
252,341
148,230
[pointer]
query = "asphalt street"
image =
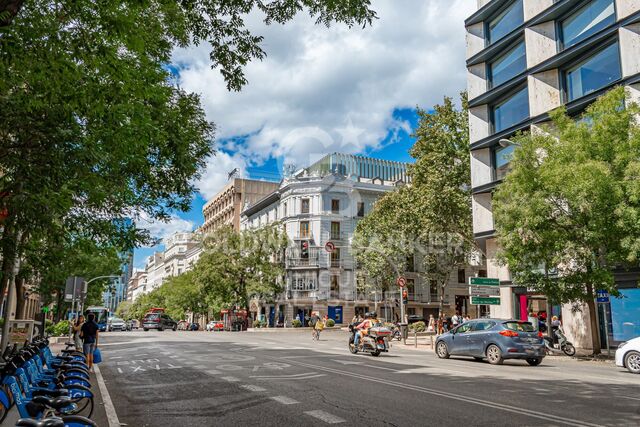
x,y
286,379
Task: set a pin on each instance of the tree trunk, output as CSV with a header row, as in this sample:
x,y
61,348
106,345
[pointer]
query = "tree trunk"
x,y
441,306
9,247
593,320
20,300
9,9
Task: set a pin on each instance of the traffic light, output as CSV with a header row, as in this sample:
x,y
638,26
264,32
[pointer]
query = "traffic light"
x,y
304,250
404,296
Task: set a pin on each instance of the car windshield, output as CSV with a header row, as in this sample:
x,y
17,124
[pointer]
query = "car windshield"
x,y
115,319
152,316
519,326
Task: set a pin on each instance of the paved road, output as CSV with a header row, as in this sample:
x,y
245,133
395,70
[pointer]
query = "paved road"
x,y
275,379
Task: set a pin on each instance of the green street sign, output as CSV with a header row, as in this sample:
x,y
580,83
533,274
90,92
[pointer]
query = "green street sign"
x,y
45,309
484,281
485,300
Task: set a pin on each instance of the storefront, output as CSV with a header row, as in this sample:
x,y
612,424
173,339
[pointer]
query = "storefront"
x,y
620,317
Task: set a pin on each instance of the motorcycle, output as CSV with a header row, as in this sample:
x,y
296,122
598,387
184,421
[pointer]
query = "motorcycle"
x,y
564,346
374,343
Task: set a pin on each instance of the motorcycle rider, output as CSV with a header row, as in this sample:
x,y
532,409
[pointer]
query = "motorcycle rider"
x,y
370,319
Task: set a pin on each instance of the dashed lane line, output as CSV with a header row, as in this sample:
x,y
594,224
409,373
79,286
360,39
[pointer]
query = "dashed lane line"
x,y
325,416
212,372
284,400
452,396
231,379
252,387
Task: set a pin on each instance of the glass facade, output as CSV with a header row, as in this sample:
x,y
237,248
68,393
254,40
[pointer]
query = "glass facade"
x,y
594,73
502,158
625,315
511,111
359,166
593,17
508,65
507,21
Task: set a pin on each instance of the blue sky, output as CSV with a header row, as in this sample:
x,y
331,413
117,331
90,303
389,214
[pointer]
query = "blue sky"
x,y
321,90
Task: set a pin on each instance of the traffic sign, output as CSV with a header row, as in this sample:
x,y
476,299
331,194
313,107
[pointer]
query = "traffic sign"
x,y
484,291
329,247
484,281
485,300
45,309
401,282
602,296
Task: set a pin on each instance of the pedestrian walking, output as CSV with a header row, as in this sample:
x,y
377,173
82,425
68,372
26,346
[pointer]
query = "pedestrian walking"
x,y
89,335
76,332
467,318
431,327
317,328
441,324
456,319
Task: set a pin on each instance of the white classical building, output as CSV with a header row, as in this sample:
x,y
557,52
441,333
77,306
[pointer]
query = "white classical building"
x,y
323,203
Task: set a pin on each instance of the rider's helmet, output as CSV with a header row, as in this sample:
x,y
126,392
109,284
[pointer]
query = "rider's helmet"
x,y
371,315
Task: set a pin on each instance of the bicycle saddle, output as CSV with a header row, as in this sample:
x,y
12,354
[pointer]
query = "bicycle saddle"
x,y
57,403
47,422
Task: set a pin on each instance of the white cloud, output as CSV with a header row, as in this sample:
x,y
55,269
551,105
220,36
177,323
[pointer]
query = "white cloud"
x,y
217,172
331,89
162,230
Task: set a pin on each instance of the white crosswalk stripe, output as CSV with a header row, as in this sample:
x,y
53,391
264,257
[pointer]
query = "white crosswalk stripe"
x,y
325,416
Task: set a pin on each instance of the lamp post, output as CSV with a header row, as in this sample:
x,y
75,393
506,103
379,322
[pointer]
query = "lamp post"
x,y
504,143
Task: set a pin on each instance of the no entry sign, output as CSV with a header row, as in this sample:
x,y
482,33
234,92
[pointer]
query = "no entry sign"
x,y
402,282
329,247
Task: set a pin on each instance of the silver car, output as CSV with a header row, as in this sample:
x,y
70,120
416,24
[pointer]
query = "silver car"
x,y
494,339
116,324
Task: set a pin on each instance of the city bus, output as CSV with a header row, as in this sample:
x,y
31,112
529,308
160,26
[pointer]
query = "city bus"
x,y
102,315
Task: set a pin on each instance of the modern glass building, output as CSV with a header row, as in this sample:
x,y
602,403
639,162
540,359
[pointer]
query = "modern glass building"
x,y
524,59
360,166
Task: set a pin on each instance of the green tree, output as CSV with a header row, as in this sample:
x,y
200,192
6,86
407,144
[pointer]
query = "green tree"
x,y
571,203
236,266
124,310
431,218
184,295
92,129
144,302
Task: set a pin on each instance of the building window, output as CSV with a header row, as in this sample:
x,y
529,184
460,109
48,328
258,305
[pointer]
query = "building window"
x,y
360,209
462,276
335,258
411,265
508,20
433,290
502,158
335,206
335,286
593,17
284,209
304,229
305,206
511,111
508,65
411,289
594,73
335,231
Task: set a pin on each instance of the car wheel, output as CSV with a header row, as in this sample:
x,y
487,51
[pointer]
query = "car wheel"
x,y
145,329
535,361
175,327
441,350
494,354
632,362
160,329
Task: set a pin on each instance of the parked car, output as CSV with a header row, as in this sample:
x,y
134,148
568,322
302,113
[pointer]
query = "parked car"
x,y
183,325
135,323
628,355
159,321
116,324
215,325
194,326
493,339
413,318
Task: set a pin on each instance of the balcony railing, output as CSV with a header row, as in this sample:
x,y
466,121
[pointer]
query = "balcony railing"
x,y
302,262
338,236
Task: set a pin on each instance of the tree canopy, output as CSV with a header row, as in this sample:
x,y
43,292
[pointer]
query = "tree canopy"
x,y
568,212
429,219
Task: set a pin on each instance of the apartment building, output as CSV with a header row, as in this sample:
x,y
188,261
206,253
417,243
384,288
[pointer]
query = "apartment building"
x,y
225,207
323,203
525,58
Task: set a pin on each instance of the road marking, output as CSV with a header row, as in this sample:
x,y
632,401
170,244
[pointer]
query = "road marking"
x,y
189,362
347,362
138,368
447,395
628,397
325,416
116,357
120,371
173,367
284,400
112,417
252,387
231,379
229,367
304,376
199,367
212,372
174,357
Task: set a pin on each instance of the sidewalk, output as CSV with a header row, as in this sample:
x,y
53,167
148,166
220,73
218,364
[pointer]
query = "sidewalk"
x,y
99,414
